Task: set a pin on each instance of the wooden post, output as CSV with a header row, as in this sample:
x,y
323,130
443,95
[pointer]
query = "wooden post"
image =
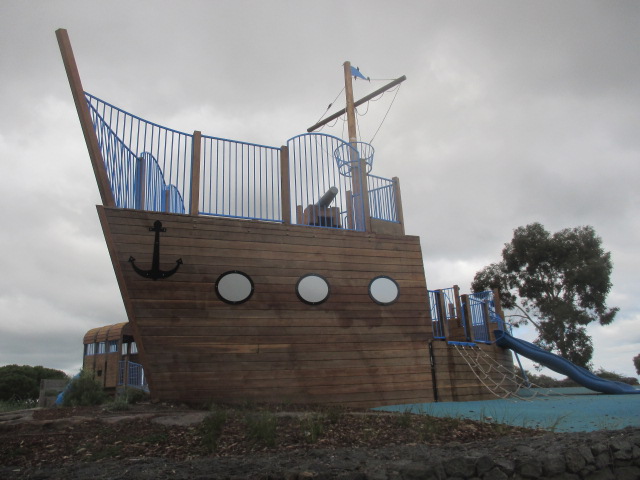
x,y
456,299
350,219
442,314
285,185
466,317
299,215
167,200
84,115
196,147
141,171
398,199
357,165
486,319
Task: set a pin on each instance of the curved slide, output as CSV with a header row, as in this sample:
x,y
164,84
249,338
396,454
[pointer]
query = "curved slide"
x,y
560,365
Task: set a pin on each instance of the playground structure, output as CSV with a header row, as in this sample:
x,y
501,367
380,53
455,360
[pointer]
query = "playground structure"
x,y
111,353
271,274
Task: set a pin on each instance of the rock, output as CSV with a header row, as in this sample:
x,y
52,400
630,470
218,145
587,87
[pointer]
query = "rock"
x,y
528,468
460,467
484,464
574,460
605,474
495,474
627,473
553,464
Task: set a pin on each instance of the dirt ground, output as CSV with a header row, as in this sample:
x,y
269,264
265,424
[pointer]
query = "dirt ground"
x,y
166,441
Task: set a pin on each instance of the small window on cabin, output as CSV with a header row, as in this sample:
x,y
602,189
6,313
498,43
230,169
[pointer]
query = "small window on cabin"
x,y
89,349
234,287
133,348
384,290
101,348
99,373
125,348
113,346
312,289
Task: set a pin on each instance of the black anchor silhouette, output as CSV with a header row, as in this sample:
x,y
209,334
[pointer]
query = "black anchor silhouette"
x,y
155,273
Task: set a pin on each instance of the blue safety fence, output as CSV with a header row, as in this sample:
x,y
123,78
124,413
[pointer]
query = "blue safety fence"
x,y
240,180
483,313
148,166
131,374
322,194
440,318
382,198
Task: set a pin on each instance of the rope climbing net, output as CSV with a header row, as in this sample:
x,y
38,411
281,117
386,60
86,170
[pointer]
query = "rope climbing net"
x,y
501,381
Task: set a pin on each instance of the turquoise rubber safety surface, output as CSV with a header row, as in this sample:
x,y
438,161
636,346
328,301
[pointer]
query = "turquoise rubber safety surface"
x,y
558,410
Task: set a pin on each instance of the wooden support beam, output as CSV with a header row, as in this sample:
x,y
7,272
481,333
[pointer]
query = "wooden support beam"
x,y
458,303
486,319
195,173
388,86
285,185
398,199
84,115
466,317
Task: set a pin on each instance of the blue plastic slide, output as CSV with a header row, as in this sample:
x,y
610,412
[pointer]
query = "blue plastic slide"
x,y
560,365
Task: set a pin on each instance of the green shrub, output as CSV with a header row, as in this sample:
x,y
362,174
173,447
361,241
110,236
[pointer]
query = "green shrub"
x,y
12,405
211,428
261,427
120,404
312,427
22,382
84,390
616,377
134,395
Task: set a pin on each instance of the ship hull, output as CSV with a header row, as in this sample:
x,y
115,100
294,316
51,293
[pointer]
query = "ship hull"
x,y
274,347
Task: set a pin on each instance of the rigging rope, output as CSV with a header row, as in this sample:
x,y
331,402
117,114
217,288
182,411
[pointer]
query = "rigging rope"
x,y
397,89
487,369
330,105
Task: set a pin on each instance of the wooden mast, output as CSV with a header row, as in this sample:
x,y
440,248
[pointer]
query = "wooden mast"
x,y
85,118
357,165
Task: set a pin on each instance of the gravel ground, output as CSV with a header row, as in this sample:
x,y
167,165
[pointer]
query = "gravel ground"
x,y
162,441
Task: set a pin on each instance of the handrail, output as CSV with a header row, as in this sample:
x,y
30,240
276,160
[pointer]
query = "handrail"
x,y
150,167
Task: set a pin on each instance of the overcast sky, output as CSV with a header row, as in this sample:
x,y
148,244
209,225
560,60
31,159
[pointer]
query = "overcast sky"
x,y
513,112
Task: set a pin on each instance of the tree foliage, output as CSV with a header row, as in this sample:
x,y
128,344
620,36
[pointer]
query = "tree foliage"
x,y
562,280
22,382
636,363
83,391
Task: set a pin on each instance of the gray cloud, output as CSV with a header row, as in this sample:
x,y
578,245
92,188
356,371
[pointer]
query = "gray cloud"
x,y
513,112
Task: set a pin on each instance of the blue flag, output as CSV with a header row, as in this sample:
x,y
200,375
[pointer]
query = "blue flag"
x,y
356,73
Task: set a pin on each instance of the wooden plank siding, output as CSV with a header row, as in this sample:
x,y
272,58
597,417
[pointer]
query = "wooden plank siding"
x,y
105,365
348,350
457,382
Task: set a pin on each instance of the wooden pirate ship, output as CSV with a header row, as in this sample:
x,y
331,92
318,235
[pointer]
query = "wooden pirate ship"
x,y
272,274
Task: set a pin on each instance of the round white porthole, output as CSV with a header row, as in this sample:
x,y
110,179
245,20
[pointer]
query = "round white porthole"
x,y
312,289
234,287
384,290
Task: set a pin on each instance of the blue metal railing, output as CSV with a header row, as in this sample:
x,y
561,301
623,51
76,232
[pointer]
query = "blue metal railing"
x,y
148,166
240,180
382,198
480,322
315,172
135,375
438,319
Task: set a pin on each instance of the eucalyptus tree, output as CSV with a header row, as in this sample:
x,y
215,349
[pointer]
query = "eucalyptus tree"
x,y
556,282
